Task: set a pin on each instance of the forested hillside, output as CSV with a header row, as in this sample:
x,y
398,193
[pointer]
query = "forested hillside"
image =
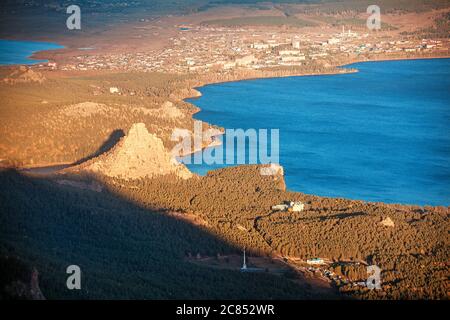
x,y
123,250
236,202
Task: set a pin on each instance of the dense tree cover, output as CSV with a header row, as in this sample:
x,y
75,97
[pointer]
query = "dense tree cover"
x,y
236,202
412,254
130,245
123,249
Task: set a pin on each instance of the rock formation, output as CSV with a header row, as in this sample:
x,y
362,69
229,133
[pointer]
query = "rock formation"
x,y
137,155
387,222
24,75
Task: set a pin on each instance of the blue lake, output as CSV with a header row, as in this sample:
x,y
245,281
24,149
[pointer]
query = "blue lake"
x,y
382,134
18,52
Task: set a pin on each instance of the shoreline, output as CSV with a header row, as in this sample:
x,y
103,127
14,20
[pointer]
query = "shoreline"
x,y
194,94
351,71
33,58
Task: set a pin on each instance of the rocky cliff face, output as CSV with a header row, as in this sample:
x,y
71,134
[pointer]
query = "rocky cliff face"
x,y
139,154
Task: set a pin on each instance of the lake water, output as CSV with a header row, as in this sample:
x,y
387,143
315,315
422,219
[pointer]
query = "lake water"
x,y
382,134
18,52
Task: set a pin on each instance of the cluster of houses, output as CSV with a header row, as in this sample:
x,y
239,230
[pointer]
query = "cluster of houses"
x,y
293,206
200,49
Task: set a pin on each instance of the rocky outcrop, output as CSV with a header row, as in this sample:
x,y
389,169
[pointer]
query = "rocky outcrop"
x,y
387,222
24,75
138,155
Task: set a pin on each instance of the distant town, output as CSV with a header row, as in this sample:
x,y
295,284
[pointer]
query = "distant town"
x,y
203,49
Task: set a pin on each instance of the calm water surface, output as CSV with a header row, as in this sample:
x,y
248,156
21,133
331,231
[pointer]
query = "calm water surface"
x,y
18,52
382,134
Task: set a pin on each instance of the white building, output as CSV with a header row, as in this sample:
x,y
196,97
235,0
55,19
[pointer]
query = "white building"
x,y
333,41
114,90
297,206
315,261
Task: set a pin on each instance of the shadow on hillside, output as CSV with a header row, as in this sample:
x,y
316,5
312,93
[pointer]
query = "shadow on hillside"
x,y
125,251
112,140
